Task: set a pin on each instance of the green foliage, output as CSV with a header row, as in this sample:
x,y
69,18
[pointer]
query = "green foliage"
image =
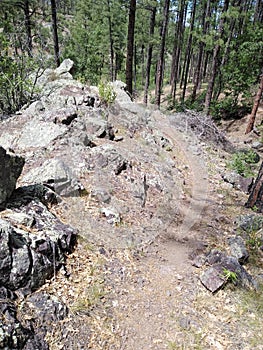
x,y
196,105
16,85
229,108
241,162
106,93
230,276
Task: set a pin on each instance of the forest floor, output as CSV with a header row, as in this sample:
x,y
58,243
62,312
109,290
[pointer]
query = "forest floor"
x,y
151,297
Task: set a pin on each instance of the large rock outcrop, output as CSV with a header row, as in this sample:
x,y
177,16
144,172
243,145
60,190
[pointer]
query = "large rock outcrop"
x,y
10,169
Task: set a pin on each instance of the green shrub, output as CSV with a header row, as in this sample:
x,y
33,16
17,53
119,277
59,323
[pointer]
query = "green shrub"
x,y
106,93
242,162
229,108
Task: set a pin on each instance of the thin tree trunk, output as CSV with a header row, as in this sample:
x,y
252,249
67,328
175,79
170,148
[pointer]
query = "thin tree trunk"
x,y
252,118
55,32
111,42
189,50
160,65
177,49
255,199
28,28
130,46
215,62
198,76
149,55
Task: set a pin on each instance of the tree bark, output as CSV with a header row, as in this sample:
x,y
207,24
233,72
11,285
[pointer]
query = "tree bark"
x,y
111,41
198,75
252,118
55,32
28,28
255,199
177,49
149,55
189,51
130,46
215,63
160,65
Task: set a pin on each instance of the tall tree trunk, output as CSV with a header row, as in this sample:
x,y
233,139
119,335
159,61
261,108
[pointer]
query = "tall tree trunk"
x,y
255,199
177,49
189,50
55,32
130,46
111,41
215,62
149,55
252,118
160,65
205,25
28,28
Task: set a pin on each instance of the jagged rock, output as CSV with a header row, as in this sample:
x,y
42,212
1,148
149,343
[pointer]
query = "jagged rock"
x,y
122,95
65,67
101,195
238,249
57,174
38,133
257,145
238,181
112,215
249,222
37,107
212,278
12,334
106,156
215,277
10,169
30,257
62,116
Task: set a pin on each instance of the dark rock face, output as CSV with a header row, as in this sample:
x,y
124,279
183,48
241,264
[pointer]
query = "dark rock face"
x,y
55,173
222,267
238,249
10,169
30,257
239,182
250,222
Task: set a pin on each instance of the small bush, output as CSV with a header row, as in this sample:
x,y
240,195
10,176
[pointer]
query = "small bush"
x,y
241,162
228,108
106,93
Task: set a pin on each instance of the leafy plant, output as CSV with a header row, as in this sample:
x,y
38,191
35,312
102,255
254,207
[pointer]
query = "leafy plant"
x,y
254,240
241,162
106,93
230,276
229,108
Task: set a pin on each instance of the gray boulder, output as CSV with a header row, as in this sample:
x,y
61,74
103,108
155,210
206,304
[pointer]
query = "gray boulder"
x,y
238,248
65,67
29,257
223,267
57,174
10,169
39,133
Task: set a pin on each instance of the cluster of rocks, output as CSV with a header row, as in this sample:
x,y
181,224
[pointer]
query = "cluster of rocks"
x,y
33,244
69,146
78,147
220,268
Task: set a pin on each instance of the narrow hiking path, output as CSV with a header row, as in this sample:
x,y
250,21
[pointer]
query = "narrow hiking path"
x,y
162,304
155,309
150,297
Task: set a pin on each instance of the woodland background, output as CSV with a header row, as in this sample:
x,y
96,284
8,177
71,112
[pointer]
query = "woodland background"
x,y
205,55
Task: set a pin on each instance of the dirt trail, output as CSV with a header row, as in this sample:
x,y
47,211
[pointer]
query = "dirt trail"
x,y
153,310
